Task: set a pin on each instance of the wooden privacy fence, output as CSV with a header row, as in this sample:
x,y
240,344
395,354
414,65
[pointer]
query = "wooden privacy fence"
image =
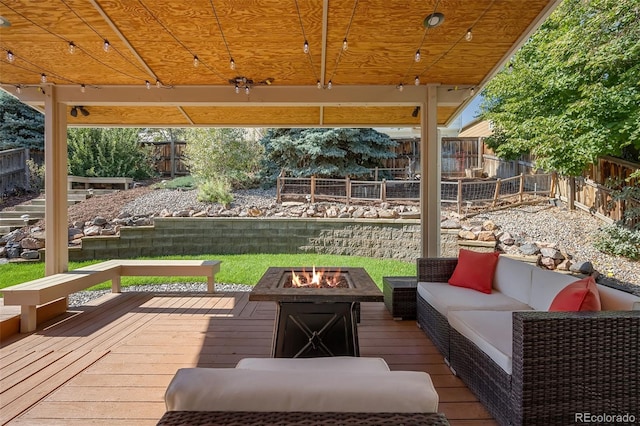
x,y
14,172
461,192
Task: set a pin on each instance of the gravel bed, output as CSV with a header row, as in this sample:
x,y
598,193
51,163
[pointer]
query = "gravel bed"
x,y
159,199
572,231
83,297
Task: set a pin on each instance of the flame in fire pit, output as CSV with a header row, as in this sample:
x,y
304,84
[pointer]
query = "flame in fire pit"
x,y
317,279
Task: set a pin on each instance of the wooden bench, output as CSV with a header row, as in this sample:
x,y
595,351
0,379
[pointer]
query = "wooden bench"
x,y
87,181
31,294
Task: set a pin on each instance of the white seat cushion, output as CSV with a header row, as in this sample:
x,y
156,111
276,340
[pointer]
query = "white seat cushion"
x,y
617,300
236,389
336,363
446,298
490,331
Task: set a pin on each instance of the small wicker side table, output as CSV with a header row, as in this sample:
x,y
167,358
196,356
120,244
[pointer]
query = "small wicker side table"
x,y
400,296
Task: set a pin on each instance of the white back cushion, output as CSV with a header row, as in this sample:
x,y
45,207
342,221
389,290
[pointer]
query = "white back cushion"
x,y
513,278
334,363
617,300
545,285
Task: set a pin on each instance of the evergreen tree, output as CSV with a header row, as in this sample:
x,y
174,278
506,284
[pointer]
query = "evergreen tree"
x,y
20,125
336,152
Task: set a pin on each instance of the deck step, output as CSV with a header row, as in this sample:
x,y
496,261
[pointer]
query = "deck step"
x,y
25,208
41,201
17,221
19,214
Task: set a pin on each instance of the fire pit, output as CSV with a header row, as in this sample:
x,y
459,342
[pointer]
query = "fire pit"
x,y
316,309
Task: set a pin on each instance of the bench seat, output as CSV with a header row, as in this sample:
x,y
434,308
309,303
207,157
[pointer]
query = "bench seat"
x,y
31,294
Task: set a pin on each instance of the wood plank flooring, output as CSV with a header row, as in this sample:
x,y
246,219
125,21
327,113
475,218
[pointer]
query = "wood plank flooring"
x,y
109,363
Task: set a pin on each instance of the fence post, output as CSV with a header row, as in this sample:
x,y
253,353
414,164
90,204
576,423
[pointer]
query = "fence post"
x,y
27,172
521,191
347,183
554,182
375,174
459,196
572,193
313,188
496,195
383,190
278,189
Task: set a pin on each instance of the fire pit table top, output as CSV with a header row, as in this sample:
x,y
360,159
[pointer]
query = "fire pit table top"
x,y
361,289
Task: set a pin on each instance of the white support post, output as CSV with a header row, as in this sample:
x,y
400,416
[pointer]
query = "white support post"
x,y
430,171
55,154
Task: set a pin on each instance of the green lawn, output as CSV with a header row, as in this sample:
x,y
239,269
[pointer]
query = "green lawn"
x,y
235,269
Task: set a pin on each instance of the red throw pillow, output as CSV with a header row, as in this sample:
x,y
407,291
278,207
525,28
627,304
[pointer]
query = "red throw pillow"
x,y
578,296
475,270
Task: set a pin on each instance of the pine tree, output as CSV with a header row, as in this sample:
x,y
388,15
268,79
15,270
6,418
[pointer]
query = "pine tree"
x,y
20,125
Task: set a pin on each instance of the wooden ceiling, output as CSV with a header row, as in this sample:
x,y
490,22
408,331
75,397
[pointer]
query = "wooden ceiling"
x,y
157,41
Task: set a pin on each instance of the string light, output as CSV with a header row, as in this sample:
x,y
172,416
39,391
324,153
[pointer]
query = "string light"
x,y
232,64
329,85
11,57
305,47
158,84
147,84
237,89
72,48
417,81
246,90
417,57
83,88
319,84
469,35
473,91
196,61
18,89
400,87
43,78
106,46
345,44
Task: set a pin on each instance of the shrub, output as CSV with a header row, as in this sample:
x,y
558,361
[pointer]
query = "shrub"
x,y
183,183
618,241
36,176
215,191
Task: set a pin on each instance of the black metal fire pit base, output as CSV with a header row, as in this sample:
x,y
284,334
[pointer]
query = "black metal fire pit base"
x,y
307,329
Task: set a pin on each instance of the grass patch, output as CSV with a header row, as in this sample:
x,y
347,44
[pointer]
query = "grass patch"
x,y
235,269
182,182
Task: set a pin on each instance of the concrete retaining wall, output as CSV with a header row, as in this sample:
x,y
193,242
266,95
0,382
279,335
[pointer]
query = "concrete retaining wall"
x,y
392,239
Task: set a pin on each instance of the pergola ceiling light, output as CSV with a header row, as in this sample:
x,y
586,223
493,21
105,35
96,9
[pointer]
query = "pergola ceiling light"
x,y
433,20
75,109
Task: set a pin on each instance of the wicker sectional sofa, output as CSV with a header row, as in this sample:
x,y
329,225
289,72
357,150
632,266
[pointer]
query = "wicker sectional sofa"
x,y
525,364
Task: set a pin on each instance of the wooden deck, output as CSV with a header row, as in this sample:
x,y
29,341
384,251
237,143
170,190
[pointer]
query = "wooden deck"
x,y
110,362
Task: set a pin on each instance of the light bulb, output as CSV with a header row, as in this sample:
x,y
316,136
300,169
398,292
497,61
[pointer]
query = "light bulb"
x,y
158,84
418,57
329,85
232,64
319,84
305,47
72,48
473,91
10,56
400,87
83,88
237,89
246,90
469,35
106,45
196,61
148,84
417,81
43,78
18,90
345,45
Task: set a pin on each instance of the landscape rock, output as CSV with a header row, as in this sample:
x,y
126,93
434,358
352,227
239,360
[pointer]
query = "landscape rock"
x,y
92,231
99,221
30,243
450,224
467,235
529,249
552,253
582,268
30,254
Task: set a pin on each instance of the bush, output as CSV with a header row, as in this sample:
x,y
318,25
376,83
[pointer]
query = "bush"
x,y
618,241
109,153
215,191
36,176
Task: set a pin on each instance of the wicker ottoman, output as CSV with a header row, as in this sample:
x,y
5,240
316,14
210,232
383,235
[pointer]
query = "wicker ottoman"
x,y
400,296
